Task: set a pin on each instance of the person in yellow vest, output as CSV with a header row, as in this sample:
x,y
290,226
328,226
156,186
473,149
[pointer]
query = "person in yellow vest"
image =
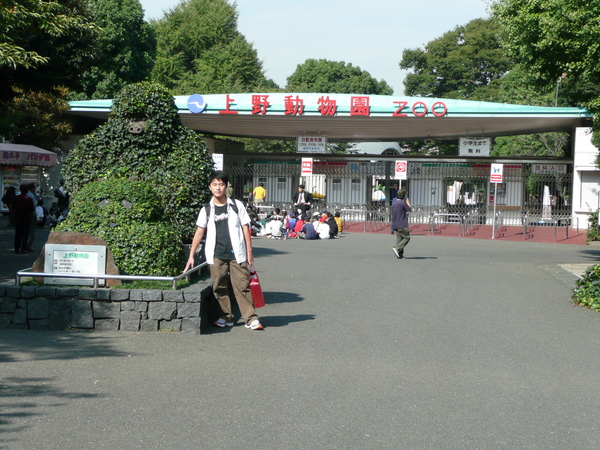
x,y
259,193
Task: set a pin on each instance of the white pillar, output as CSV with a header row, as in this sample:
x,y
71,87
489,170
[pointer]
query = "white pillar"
x,y
586,177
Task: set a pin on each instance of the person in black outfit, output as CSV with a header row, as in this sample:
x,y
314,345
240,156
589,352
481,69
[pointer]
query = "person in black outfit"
x,y
302,200
23,214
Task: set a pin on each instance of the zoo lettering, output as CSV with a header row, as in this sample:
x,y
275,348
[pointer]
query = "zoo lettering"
x,y
359,106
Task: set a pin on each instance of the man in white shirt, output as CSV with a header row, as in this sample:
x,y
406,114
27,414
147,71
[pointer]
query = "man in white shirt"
x,y
228,251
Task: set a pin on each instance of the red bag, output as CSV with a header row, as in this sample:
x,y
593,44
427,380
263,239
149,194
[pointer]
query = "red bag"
x,y
255,289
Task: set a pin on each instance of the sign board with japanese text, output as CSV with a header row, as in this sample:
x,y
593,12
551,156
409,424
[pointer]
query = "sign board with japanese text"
x,y
307,166
218,160
560,169
496,173
474,146
401,170
312,144
74,259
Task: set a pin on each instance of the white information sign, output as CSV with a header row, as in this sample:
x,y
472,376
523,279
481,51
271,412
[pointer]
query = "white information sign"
x,y
400,170
496,174
218,159
74,259
474,146
312,144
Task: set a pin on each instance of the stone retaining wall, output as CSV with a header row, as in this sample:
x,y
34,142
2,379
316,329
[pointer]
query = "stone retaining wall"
x,y
56,308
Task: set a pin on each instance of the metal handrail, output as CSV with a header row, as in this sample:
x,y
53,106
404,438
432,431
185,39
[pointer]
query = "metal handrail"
x,y
25,273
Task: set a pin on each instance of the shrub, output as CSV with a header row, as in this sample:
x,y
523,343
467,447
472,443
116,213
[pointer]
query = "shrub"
x,y
587,289
129,216
593,232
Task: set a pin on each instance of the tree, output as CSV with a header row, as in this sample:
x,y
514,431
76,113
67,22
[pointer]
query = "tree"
x,y
555,39
126,48
199,49
335,77
458,63
145,139
43,48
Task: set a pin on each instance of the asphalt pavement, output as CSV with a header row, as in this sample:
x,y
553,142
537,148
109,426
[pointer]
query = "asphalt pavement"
x,y
465,344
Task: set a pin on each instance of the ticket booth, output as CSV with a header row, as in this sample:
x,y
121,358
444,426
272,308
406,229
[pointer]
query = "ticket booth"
x,y
24,164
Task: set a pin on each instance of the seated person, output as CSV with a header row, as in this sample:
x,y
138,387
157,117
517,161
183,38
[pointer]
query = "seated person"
x,y
51,219
297,228
333,228
339,222
307,232
322,229
276,228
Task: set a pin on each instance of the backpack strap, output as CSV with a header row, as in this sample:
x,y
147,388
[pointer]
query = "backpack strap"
x,y
233,206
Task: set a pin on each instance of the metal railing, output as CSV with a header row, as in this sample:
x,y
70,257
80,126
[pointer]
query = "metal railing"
x,y
25,273
556,222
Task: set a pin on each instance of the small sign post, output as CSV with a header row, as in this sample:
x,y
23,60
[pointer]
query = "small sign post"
x,y
401,170
496,178
307,166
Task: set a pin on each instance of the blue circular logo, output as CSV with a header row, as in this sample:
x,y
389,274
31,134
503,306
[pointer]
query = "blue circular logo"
x,y
196,103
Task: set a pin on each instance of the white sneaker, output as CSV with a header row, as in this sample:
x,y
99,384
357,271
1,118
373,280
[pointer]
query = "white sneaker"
x,y
396,252
254,325
222,323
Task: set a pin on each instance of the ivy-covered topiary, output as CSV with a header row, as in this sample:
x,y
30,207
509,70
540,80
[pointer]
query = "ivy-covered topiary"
x,y
128,215
587,289
144,138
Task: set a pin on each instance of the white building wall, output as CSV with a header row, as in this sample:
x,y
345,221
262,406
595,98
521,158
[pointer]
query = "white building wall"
x,y
586,177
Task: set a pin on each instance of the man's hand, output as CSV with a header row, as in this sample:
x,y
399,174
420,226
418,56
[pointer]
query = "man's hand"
x,y
189,264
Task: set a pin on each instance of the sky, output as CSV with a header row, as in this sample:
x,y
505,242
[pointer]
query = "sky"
x,y
369,34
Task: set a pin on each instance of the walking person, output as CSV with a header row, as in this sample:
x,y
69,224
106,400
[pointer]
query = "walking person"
x,y
24,210
400,209
228,251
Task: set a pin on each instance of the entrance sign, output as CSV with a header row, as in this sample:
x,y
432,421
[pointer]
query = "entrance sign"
x,y
400,173
312,144
549,169
307,166
75,259
474,147
496,175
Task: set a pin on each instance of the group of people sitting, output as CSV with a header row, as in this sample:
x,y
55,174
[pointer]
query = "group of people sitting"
x,y
281,225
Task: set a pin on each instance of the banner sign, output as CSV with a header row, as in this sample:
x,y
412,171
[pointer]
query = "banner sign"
x,y
400,172
307,166
312,144
496,174
474,147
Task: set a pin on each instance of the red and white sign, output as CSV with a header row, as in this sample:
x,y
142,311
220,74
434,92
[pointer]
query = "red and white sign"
x,y
400,171
496,174
307,166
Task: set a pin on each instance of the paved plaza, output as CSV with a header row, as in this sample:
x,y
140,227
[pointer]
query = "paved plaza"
x,y
467,343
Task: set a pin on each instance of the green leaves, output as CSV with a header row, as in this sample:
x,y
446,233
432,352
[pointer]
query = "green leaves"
x,y
334,76
129,216
165,154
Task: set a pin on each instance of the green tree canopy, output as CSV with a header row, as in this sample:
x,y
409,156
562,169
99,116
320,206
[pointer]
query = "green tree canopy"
x,y
125,49
458,63
553,40
43,48
145,139
337,77
199,49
